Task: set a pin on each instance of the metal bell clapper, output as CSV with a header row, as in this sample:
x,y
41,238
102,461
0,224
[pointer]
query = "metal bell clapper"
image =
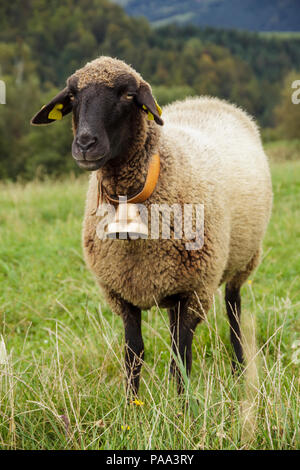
x,y
127,222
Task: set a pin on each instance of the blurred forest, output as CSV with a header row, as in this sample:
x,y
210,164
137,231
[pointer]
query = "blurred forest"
x,y
43,41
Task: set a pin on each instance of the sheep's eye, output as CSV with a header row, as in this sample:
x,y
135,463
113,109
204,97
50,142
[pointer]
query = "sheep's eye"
x,y
129,96
71,96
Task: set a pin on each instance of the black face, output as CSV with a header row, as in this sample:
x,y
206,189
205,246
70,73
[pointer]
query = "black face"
x,y
105,118
102,117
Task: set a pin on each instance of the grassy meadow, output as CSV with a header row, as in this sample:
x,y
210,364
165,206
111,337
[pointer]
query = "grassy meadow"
x,y
61,353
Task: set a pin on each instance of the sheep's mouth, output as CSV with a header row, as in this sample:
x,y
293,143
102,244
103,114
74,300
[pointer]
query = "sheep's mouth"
x,y
91,165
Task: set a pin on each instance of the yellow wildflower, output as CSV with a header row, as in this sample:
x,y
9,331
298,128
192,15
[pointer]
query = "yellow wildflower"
x,y
125,428
137,402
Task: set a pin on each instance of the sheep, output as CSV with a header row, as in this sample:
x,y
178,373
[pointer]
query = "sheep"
x,y
210,153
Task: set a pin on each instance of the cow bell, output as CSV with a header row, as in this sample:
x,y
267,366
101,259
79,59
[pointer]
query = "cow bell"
x,y
127,223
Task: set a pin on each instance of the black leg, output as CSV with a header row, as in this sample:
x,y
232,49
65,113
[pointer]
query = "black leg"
x,y
182,327
134,347
233,307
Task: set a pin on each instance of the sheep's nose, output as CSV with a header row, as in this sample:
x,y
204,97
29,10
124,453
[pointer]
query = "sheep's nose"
x,y
85,141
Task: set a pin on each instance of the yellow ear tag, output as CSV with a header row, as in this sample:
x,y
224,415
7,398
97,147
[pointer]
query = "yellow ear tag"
x,y
158,108
150,115
56,113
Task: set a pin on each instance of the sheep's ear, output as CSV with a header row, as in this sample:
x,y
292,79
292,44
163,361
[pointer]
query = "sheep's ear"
x,y
55,109
146,101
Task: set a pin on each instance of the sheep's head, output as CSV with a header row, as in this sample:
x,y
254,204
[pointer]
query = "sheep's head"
x,y
108,99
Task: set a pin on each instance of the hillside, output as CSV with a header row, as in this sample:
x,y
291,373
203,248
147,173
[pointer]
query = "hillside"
x,y
43,41
252,15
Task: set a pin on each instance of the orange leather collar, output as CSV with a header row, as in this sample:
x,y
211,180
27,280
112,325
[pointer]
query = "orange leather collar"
x,y
149,186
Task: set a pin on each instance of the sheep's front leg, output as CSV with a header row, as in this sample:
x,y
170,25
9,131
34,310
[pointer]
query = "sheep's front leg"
x,y
134,346
183,323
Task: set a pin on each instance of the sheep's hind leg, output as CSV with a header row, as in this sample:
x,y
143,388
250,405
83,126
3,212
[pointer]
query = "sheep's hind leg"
x,y
134,347
183,323
233,308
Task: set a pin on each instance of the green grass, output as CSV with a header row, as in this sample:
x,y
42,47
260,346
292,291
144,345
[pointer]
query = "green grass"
x,y
62,384
283,150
